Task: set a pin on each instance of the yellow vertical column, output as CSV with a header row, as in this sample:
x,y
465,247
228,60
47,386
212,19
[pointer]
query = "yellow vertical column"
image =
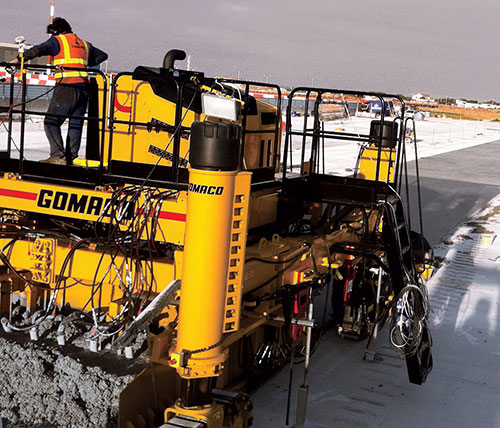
x,y
214,159
198,355
205,265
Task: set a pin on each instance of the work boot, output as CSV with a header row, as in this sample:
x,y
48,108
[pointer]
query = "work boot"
x,y
58,161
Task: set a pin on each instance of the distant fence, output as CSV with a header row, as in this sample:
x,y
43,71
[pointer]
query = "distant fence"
x,y
41,93
38,88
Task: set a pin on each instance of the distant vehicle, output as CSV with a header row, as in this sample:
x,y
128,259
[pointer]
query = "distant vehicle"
x,y
417,115
375,107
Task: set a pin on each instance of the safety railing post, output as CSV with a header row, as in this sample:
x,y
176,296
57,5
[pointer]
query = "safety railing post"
x,y
23,121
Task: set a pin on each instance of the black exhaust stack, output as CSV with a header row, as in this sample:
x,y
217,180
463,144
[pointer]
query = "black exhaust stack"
x,y
172,56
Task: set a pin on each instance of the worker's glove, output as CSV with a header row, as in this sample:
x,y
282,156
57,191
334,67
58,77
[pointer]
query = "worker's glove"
x,y
10,69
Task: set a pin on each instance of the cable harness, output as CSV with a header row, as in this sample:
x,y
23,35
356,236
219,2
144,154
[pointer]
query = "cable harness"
x,y
409,317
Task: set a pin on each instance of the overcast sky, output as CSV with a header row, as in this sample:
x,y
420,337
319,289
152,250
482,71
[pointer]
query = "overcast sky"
x,y
439,47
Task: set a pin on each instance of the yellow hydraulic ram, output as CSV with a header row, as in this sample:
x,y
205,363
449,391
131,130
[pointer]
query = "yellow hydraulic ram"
x,y
209,254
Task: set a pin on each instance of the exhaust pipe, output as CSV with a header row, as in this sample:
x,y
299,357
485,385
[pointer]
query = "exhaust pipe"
x,y
172,56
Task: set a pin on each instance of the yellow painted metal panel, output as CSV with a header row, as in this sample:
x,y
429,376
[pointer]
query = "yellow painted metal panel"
x,y
135,101
368,164
87,204
234,291
87,267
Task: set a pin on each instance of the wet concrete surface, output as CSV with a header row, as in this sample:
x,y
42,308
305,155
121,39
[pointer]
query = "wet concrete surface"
x,y
43,385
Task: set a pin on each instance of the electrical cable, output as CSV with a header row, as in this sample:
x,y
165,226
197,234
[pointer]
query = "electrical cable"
x,y
409,315
125,241
208,348
176,130
52,299
137,226
7,263
252,298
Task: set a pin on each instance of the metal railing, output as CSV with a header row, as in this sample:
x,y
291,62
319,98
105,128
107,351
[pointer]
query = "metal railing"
x,y
318,134
182,88
19,104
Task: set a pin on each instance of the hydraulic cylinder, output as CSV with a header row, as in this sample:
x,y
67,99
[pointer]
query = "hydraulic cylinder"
x,y
214,162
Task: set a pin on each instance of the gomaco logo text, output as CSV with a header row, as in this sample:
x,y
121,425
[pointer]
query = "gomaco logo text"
x,y
206,190
82,204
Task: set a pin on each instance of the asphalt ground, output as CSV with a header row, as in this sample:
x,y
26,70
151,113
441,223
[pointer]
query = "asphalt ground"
x,y
454,185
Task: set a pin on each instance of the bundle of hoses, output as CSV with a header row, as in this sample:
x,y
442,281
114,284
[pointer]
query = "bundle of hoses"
x,y
408,319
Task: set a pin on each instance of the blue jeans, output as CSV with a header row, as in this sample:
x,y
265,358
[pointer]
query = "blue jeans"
x,y
67,100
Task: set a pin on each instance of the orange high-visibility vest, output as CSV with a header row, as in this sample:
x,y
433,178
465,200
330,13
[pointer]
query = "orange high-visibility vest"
x,y
73,52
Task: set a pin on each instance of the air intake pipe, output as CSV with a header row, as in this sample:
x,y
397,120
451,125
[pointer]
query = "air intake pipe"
x,y
172,56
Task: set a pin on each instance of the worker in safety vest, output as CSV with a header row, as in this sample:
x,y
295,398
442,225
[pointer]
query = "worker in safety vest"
x,y
70,96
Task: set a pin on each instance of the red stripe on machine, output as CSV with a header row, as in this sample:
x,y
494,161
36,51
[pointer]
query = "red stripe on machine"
x,y
172,216
18,194
121,107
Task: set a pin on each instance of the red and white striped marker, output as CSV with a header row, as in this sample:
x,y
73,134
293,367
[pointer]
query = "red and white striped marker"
x,y
52,11
31,78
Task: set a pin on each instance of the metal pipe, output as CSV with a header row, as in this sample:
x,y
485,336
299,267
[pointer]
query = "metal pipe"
x,y
308,335
379,151
23,121
105,107
9,143
177,135
51,21
303,392
288,130
294,321
306,114
111,119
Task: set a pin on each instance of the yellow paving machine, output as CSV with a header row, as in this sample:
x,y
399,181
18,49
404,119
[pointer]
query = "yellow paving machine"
x,y
200,217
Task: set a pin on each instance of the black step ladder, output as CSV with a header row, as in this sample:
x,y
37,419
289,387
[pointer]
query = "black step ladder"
x,y
403,272
397,239
399,258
